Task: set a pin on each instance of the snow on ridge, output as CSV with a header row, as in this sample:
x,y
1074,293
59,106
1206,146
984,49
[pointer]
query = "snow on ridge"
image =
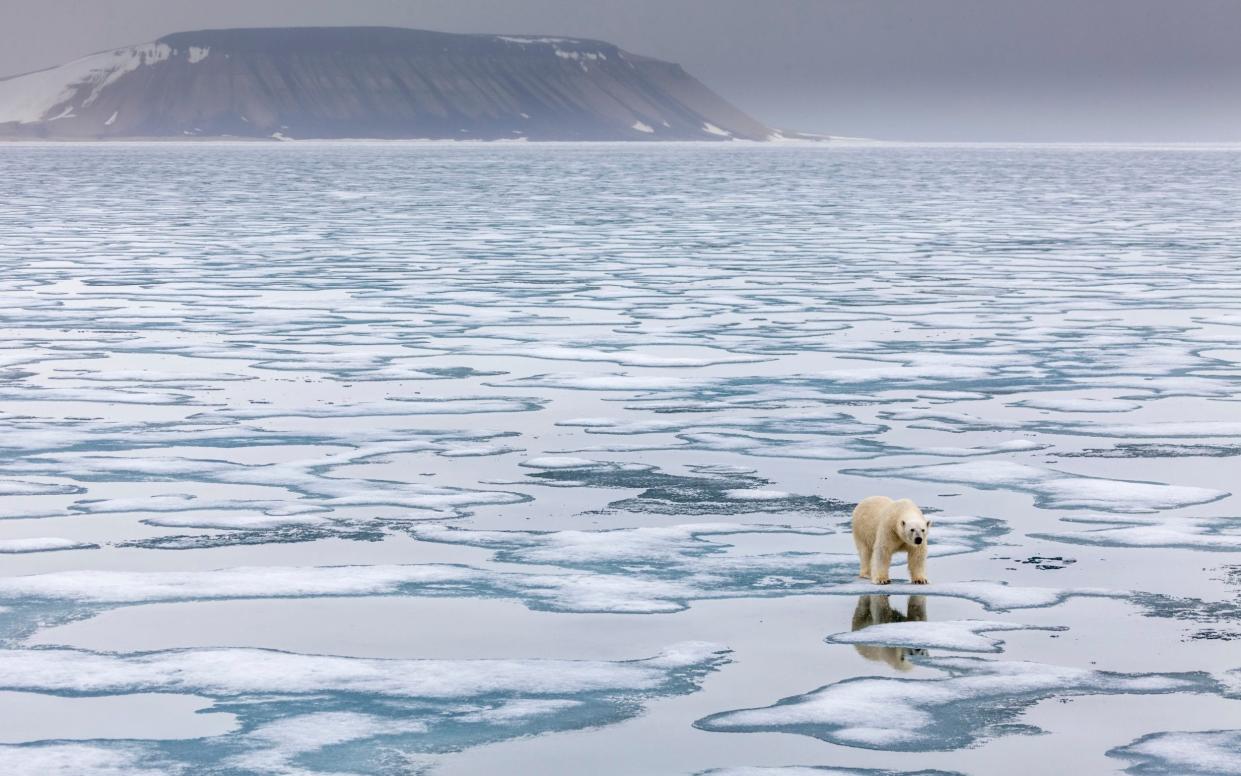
x,y
29,98
575,48
198,54
527,41
710,128
580,55
643,127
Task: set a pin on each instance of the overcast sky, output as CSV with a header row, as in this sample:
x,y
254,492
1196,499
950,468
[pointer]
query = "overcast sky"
x,y
894,69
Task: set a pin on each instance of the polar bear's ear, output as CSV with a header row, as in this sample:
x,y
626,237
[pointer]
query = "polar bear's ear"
x,y
928,523
902,522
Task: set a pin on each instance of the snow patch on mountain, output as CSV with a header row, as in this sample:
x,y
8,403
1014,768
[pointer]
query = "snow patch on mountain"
x,y
29,98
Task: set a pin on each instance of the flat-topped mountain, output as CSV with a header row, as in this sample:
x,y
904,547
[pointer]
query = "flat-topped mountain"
x,y
369,82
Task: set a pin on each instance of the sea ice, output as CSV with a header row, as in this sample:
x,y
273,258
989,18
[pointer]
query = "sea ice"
x,y
1208,752
1221,534
42,544
979,699
292,706
361,349
86,759
953,635
1055,489
1078,404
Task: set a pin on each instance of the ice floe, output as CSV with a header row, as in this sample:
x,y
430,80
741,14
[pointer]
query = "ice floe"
x,y
1139,450
226,673
1054,489
1207,752
952,635
42,544
1221,534
961,422
979,699
87,759
1079,404
994,596
294,706
308,483
706,490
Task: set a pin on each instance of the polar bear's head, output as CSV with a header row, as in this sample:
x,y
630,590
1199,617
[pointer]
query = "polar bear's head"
x,y
914,528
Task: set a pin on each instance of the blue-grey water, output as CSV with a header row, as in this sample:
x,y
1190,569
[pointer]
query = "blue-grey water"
x,y
471,459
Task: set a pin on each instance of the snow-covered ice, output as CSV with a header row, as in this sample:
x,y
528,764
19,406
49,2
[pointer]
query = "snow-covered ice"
x,y
953,635
1221,534
1056,489
1203,752
42,544
978,699
361,702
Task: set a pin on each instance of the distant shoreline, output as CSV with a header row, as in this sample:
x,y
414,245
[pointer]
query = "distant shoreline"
x,y
821,143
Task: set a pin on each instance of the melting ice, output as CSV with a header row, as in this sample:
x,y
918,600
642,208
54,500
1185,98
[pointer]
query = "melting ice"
x,y
632,394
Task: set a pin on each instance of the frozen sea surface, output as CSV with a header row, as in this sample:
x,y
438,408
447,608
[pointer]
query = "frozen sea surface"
x,y
398,458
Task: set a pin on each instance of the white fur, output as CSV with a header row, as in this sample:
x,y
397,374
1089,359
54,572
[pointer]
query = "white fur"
x,y
883,527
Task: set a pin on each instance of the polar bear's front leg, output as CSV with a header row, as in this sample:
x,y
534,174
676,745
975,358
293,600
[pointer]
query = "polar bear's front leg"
x,y
917,565
880,563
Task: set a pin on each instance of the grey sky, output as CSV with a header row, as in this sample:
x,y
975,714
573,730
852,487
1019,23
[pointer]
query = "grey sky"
x,y
899,69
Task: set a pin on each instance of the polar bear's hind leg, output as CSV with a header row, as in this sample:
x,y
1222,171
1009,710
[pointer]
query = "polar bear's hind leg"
x,y
864,551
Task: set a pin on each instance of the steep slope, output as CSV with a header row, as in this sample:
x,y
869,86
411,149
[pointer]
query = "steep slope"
x,y
372,82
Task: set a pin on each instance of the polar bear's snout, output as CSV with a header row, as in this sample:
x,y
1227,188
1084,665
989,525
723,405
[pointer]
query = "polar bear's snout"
x,y
915,532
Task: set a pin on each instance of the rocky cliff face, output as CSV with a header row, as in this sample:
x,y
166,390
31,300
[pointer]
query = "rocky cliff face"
x,y
369,82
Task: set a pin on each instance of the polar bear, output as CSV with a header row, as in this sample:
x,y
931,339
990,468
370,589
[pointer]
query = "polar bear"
x,y
877,610
883,527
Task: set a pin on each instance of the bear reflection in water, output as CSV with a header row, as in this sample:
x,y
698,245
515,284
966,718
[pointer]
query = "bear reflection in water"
x,y
877,610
